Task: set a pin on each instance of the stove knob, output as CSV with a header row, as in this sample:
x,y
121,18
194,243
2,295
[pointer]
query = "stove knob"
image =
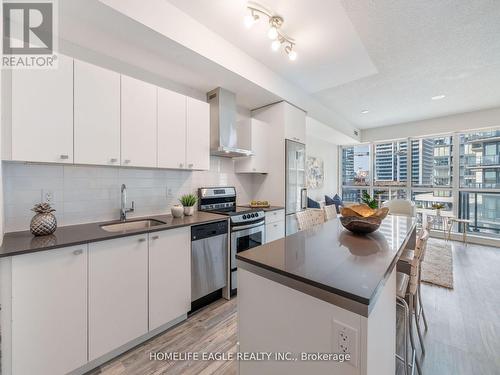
x,y
244,217
253,215
256,214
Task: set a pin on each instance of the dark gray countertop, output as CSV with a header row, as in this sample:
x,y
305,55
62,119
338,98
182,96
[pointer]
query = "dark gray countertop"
x,y
16,243
333,260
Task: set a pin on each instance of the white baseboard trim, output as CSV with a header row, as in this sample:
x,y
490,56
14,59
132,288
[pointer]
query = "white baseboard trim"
x,y
471,238
130,345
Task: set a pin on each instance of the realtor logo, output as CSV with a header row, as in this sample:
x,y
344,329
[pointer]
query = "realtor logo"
x,y
28,30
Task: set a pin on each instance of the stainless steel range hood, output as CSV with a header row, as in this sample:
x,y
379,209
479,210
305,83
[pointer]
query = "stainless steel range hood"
x,y
223,126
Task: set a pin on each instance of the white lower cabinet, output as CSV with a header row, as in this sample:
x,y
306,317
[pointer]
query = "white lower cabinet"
x,y
275,231
49,311
73,305
118,293
169,275
275,225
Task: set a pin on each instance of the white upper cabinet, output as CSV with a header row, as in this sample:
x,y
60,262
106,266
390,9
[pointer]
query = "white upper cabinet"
x,y
118,293
171,129
259,162
49,311
97,115
138,126
197,134
169,275
42,113
295,123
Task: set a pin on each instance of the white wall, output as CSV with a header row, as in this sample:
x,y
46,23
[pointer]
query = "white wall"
x,y
327,152
88,194
322,142
464,121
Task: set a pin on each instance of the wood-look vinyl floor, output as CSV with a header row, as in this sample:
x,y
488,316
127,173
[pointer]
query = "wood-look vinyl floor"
x,y
463,336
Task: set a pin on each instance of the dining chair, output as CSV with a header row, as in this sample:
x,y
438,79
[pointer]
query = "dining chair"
x,y
400,207
309,218
330,212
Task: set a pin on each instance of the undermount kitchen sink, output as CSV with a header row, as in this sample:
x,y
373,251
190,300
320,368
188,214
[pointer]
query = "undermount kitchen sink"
x,y
131,225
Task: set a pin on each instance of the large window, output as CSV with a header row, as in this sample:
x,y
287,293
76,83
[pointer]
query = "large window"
x,y
458,173
431,161
480,160
426,202
483,211
390,162
356,165
352,194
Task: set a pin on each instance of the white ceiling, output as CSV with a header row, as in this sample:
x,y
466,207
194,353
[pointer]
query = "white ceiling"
x,y
388,57
329,50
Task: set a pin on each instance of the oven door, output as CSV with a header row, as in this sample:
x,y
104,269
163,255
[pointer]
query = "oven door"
x,y
244,237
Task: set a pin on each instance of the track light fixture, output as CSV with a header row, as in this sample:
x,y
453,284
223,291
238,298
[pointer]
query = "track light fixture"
x,y
274,33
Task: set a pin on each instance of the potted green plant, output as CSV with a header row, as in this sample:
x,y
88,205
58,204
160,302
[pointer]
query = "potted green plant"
x,y
188,201
369,201
438,207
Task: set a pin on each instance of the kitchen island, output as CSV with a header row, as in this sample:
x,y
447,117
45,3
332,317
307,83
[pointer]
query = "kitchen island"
x,y
322,290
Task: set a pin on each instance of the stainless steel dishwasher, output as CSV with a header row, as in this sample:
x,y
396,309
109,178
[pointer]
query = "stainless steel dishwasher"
x,y
209,254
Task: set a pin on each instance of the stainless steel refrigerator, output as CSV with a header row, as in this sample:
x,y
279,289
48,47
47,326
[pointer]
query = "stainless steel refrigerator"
x,y
295,183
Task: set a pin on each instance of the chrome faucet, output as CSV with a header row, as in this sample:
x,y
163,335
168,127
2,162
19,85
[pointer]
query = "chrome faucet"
x,y
123,210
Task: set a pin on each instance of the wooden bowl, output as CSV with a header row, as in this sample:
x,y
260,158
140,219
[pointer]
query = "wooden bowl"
x,y
361,225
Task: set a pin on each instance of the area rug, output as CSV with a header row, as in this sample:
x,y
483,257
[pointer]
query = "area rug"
x,y
437,267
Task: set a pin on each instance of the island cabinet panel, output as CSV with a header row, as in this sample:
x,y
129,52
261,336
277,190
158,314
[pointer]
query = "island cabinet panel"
x,y
138,123
118,293
42,113
49,311
97,115
169,275
310,329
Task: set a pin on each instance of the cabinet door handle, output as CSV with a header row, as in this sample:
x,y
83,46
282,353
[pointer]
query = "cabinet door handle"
x,y
78,252
181,165
275,225
141,239
64,156
126,161
190,165
113,160
155,237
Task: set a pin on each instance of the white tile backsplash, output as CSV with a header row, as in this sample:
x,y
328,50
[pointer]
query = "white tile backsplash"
x,y
83,194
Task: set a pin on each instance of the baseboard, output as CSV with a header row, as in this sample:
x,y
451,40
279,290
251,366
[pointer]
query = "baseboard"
x,y
128,346
471,238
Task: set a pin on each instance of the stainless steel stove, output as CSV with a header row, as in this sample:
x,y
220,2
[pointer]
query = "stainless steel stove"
x,y
247,225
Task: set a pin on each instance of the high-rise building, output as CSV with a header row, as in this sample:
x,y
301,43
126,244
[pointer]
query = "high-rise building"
x,y
480,169
391,162
422,162
480,160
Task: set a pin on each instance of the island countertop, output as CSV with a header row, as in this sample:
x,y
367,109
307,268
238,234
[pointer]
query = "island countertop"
x,y
333,264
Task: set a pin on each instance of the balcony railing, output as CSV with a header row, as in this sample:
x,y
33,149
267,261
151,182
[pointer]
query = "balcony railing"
x,y
483,211
482,161
480,185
